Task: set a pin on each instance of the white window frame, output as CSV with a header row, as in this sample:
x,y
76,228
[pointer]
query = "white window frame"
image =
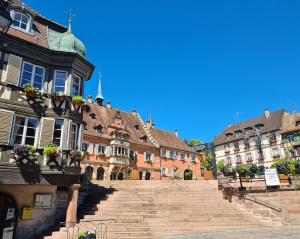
x,y
25,129
33,74
193,158
164,172
163,153
182,156
145,156
29,23
171,154
76,137
103,148
79,85
61,132
54,81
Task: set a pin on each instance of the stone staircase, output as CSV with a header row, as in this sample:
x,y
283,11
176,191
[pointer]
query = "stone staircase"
x,y
157,209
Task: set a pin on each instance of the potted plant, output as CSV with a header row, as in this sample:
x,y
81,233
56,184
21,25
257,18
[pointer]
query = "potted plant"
x,y
87,235
253,170
78,100
22,151
51,152
283,167
222,167
31,92
243,171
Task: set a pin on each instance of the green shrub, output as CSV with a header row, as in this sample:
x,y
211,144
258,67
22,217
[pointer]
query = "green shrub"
x,y
242,170
253,170
284,166
222,167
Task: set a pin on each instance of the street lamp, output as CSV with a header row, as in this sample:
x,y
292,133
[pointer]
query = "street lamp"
x,y
5,19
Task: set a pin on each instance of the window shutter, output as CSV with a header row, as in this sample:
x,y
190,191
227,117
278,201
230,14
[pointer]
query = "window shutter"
x,y
108,151
12,73
46,132
97,149
6,119
91,148
145,156
64,137
168,154
167,173
70,134
175,155
152,158
80,136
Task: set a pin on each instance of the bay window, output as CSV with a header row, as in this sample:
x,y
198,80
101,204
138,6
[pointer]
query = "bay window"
x,y
60,79
33,75
25,130
57,132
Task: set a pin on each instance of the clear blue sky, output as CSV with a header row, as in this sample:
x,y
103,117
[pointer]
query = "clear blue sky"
x,y
191,64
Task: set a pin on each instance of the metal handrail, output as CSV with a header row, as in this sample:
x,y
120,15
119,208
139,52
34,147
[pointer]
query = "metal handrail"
x,y
98,226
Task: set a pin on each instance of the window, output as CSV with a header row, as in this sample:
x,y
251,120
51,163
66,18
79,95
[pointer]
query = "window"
x,y
249,157
227,147
57,133
21,21
171,154
298,123
175,172
74,136
101,149
76,90
60,78
260,155
238,159
182,156
273,137
147,156
247,143
99,129
85,146
193,158
163,153
132,155
25,130
236,146
33,75
275,152
120,151
164,172
137,127
229,160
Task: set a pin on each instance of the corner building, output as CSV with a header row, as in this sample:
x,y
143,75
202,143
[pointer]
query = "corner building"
x,y
48,57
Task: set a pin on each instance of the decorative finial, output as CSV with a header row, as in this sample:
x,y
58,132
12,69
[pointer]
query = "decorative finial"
x,y
70,20
99,98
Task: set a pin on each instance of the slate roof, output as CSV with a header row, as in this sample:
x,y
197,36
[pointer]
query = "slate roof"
x,y
169,140
272,123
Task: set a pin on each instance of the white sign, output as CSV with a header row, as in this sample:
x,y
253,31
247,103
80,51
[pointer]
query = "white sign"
x,y
271,177
10,213
8,233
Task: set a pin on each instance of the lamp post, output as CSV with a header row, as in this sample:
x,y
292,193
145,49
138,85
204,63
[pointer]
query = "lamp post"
x,y
5,19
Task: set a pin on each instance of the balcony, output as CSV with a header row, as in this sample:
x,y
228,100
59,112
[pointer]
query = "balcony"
x,y
276,156
227,151
260,159
236,149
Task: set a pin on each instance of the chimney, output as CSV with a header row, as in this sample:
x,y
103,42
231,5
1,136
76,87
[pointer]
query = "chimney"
x,y
108,105
267,113
133,112
176,132
90,99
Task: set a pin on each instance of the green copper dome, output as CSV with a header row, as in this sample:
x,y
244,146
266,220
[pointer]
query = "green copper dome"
x,y
66,42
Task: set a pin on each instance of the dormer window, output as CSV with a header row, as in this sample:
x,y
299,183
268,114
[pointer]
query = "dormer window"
x,y
228,135
99,129
137,127
237,133
298,123
145,139
21,21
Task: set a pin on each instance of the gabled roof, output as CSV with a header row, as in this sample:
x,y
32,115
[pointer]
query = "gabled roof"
x,y
169,140
104,117
269,124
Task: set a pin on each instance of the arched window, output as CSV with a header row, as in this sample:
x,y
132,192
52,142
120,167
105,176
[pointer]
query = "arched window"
x,y
21,21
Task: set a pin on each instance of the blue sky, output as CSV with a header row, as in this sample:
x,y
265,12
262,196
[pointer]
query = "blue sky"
x,y
191,64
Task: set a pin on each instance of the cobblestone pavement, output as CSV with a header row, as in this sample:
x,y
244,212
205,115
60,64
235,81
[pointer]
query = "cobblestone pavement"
x,y
256,233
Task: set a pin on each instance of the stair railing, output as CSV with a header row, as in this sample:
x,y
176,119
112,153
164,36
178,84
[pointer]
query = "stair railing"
x,y
87,229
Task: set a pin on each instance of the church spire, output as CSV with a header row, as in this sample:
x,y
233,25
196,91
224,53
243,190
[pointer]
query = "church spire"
x,y
99,98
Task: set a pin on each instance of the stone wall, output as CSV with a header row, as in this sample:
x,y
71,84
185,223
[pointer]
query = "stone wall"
x,y
41,218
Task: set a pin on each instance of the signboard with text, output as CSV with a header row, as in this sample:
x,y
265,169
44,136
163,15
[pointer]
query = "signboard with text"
x,y
271,176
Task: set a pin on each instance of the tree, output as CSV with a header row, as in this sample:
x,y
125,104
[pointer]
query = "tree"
x,y
222,167
208,162
194,142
